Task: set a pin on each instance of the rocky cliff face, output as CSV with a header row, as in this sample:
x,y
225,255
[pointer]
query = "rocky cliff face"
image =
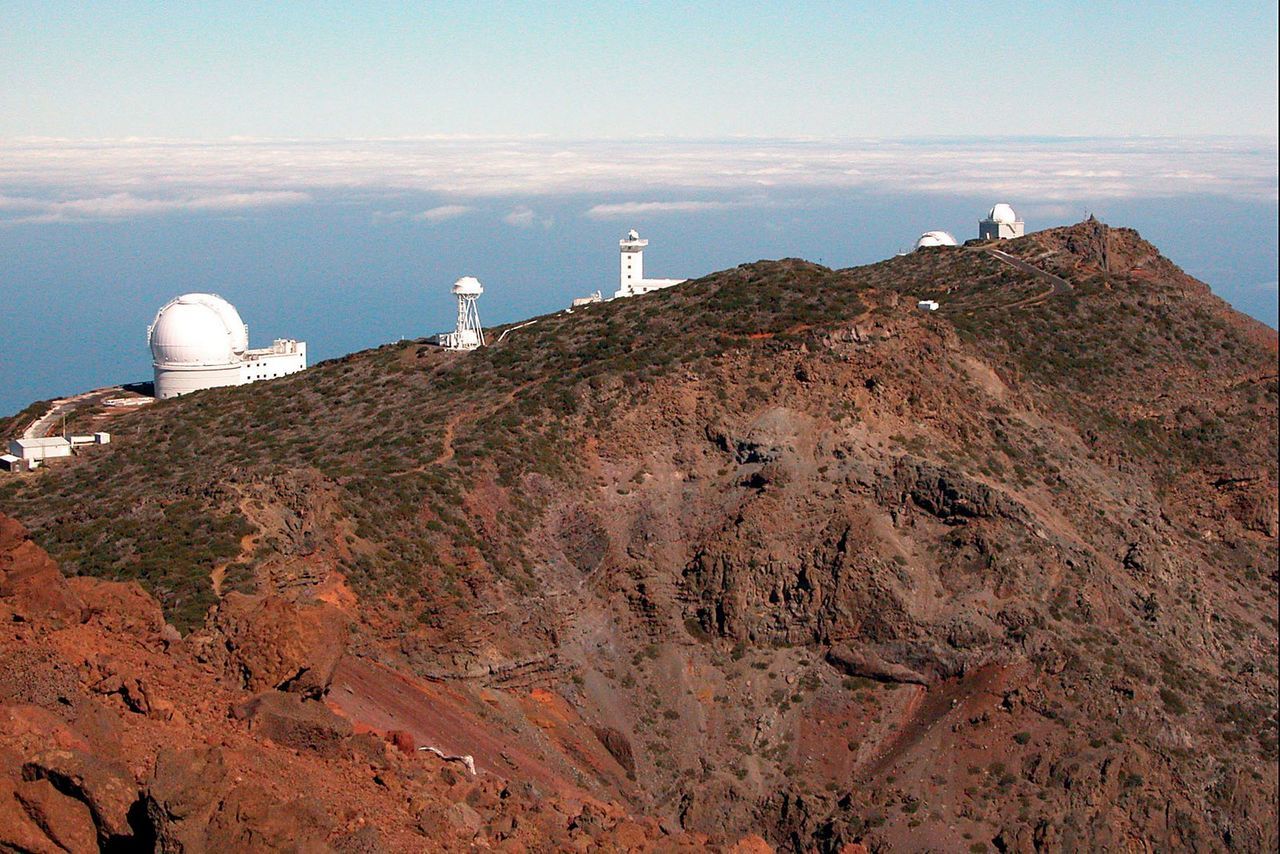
x,y
772,552
116,734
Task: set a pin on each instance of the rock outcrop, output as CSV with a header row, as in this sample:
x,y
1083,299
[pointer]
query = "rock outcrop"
x,y
277,644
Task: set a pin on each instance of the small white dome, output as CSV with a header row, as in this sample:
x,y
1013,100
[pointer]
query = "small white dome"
x,y
1003,214
468,286
197,329
935,238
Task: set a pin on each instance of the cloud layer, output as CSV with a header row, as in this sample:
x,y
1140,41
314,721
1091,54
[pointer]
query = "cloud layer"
x,y
128,205
59,180
625,210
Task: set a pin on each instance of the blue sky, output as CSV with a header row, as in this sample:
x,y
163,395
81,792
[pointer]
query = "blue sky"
x,y
291,69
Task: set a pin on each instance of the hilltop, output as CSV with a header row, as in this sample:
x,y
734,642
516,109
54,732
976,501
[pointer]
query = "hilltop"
x,y
770,552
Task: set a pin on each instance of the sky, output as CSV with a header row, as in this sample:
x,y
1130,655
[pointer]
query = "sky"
x,y
593,69
331,168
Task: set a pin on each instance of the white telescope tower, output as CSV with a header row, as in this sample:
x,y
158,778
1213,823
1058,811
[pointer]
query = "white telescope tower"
x,y
469,335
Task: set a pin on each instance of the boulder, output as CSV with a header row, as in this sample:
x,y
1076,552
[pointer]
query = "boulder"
x,y
182,796
251,819
105,788
19,830
296,722
66,821
363,840
274,643
402,741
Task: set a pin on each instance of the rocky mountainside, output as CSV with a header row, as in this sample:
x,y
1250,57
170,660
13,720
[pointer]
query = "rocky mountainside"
x,y
772,553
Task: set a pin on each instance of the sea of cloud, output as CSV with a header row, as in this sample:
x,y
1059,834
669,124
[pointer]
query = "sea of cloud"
x,y
53,180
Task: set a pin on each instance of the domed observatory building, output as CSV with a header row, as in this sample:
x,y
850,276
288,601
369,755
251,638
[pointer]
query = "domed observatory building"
x,y
935,238
199,341
1001,224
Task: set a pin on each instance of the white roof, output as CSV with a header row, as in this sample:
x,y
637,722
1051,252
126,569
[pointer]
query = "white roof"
x,y
935,238
9,458
42,442
197,329
1003,214
468,286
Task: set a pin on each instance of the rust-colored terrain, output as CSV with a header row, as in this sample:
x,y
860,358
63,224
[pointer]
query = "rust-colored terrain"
x,y
769,559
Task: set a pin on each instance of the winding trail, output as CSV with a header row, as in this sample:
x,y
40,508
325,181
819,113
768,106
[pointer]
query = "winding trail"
x,y
1057,284
446,441
451,426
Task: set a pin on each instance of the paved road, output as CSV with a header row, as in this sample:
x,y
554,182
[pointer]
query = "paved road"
x,y
52,420
1057,284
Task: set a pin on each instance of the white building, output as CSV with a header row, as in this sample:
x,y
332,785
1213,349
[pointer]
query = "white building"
x,y
935,238
1001,224
199,341
38,450
632,281
469,334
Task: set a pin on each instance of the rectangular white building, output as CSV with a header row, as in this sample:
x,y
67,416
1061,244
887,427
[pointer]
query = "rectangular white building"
x,y
284,356
39,450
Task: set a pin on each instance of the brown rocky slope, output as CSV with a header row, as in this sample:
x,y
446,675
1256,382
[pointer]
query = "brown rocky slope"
x,y
118,735
771,552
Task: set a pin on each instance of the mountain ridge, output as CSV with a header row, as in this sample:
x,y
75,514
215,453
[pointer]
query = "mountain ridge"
x,y
705,518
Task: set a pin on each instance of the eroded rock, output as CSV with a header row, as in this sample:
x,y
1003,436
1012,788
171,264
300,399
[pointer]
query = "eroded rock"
x,y
273,643
104,787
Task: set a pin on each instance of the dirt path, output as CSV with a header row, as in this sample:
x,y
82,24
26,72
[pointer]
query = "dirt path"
x,y
446,450
451,426
248,544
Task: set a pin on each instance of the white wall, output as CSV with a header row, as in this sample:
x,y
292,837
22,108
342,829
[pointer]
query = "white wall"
x,y
280,359
632,268
988,230
273,365
174,380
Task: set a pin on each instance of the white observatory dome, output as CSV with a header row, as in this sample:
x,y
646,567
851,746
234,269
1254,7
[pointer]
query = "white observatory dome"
x,y
231,317
1003,214
197,329
935,238
468,286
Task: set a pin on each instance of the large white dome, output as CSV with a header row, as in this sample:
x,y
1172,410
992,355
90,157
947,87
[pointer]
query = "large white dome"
x,y
1003,214
197,329
230,317
935,238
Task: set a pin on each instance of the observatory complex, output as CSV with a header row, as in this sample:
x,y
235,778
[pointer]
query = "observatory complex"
x,y
1001,224
199,341
632,282
469,334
